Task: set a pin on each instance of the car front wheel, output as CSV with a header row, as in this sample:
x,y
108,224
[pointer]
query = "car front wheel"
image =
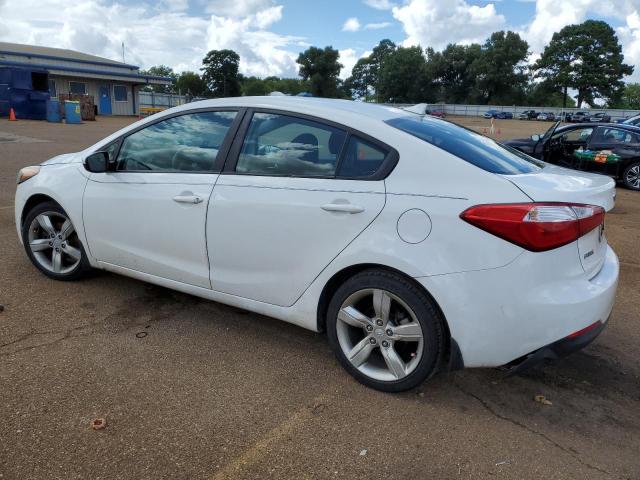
x,y
385,331
631,176
52,243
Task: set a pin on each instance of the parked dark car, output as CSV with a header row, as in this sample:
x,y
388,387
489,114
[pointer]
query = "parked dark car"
x,y
579,117
564,117
600,117
609,149
497,114
528,115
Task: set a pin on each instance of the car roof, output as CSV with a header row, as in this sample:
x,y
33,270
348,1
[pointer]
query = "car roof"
x,y
572,126
319,107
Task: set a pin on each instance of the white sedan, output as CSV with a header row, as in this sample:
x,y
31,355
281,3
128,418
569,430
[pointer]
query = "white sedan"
x,y
417,245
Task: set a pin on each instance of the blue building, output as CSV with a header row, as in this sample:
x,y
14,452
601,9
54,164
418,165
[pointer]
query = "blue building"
x,y
30,74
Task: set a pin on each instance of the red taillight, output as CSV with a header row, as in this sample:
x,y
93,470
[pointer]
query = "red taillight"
x,y
536,226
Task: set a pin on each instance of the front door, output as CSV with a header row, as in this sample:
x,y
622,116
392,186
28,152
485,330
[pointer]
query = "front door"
x,y
282,213
105,100
149,214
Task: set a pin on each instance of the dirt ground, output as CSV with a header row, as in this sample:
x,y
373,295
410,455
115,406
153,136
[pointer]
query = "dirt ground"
x,y
195,389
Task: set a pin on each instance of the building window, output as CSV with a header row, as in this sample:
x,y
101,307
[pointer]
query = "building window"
x,y
53,93
78,87
120,93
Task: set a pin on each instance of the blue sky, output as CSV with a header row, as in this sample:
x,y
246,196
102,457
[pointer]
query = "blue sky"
x,y
269,34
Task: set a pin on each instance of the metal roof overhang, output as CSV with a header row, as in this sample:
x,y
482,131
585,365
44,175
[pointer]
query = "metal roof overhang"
x,y
90,73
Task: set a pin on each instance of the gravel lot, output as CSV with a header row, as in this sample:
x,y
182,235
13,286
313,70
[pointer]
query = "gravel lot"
x,y
195,389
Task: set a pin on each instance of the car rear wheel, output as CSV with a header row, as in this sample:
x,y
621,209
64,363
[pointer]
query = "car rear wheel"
x,y
385,331
631,176
52,243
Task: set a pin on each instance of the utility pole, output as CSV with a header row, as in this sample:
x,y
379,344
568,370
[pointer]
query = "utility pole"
x,y
123,53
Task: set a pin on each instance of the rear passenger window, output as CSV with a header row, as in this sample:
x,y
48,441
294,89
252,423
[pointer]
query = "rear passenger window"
x,y
361,159
283,145
186,143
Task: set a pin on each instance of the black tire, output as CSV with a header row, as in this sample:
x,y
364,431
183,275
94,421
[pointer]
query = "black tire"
x,y
628,176
425,311
79,270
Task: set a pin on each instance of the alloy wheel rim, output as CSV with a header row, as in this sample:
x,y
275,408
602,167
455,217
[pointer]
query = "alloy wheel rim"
x,y
54,242
380,334
633,176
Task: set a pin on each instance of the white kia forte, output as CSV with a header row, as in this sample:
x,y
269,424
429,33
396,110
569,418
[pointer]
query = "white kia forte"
x,y
416,244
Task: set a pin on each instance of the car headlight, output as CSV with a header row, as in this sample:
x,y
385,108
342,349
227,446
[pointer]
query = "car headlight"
x,y
26,173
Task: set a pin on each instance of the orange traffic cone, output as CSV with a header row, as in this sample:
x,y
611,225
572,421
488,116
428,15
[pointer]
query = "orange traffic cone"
x,y
12,115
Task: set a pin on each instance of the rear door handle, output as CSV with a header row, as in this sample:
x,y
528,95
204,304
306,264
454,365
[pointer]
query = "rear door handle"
x,y
194,199
342,207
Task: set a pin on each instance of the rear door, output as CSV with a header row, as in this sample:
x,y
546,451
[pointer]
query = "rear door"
x,y
296,191
149,214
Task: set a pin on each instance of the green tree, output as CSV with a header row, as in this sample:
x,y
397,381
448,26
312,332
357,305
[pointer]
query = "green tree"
x,y
362,79
252,86
264,86
321,68
452,74
160,71
545,94
403,77
192,84
588,58
500,70
630,97
220,73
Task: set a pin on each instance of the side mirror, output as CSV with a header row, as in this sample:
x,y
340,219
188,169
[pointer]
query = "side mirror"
x,y
97,162
535,138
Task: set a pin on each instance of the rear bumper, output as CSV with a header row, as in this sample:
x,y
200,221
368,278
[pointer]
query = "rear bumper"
x,y
558,349
499,316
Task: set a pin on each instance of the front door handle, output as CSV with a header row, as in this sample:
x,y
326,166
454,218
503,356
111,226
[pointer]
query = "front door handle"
x,y
342,207
194,199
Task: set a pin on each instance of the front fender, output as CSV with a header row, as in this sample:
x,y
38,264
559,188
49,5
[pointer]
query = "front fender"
x,y
64,184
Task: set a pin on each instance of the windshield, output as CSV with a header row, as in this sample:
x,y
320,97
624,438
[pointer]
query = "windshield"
x,y
468,145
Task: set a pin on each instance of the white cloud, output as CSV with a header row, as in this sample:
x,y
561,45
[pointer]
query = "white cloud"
x,y
348,59
377,26
155,35
262,53
436,23
351,25
380,4
235,8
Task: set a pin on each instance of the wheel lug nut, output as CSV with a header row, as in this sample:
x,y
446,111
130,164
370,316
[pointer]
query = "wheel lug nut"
x,y
51,244
369,328
64,245
57,249
389,331
379,322
385,344
372,341
60,237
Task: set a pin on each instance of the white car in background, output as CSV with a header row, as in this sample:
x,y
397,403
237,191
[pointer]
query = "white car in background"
x,y
416,244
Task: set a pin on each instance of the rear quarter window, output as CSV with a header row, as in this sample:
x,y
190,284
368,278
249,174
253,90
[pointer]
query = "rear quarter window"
x,y
468,145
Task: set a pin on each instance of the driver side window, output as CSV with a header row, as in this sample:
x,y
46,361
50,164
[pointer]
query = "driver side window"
x,y
577,135
186,143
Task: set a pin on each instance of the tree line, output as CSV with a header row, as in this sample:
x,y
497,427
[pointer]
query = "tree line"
x,y
585,58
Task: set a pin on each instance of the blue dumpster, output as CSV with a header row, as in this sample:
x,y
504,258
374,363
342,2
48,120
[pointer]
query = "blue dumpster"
x,y
53,111
72,112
